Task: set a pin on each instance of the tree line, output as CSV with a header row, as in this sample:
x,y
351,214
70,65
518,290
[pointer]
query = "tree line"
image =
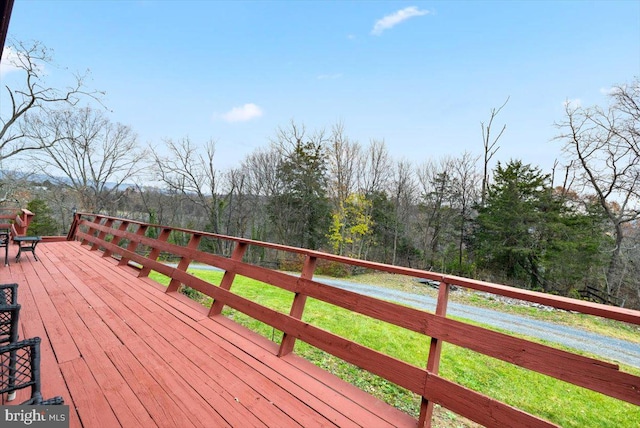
x,y
568,231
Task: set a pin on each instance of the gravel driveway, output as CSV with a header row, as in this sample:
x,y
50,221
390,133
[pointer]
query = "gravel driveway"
x,y
582,340
614,349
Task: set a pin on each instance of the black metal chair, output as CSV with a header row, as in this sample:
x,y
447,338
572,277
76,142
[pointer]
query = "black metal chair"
x,y
9,315
20,368
8,294
4,243
9,311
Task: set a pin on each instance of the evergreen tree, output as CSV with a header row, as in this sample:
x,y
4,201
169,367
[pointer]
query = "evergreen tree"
x,y
384,220
301,210
512,224
42,223
574,257
531,235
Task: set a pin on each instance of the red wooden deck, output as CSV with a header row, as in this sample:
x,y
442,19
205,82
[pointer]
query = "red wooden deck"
x,y
122,352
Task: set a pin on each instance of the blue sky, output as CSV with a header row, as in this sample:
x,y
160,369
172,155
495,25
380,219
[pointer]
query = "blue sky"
x,y
420,75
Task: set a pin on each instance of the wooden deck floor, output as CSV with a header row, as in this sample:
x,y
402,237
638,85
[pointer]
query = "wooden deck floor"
x,y
121,352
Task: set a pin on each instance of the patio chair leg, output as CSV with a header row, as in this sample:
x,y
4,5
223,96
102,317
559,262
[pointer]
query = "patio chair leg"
x,y
11,396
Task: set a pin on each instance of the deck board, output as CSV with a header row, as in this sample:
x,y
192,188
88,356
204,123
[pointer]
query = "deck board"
x,y
88,398
338,412
128,408
298,411
122,352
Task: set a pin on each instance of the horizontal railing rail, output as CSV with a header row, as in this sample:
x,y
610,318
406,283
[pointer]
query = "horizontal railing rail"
x,y
109,234
16,217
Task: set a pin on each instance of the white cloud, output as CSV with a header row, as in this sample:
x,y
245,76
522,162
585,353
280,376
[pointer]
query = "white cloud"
x,y
574,103
396,18
13,60
9,59
607,91
243,113
613,90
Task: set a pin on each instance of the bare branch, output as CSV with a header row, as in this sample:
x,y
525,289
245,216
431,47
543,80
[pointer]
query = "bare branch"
x,y
490,148
34,98
96,157
602,146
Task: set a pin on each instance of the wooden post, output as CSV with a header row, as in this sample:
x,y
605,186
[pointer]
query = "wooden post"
x,y
91,231
101,235
297,307
133,244
116,239
227,278
193,244
433,362
155,252
71,236
27,216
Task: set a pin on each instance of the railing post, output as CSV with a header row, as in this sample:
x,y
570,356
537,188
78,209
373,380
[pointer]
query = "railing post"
x,y
102,235
73,229
142,229
194,243
116,238
155,252
96,220
26,218
435,349
227,278
297,307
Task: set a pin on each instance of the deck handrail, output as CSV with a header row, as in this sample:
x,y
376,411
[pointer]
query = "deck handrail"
x,y
106,233
9,216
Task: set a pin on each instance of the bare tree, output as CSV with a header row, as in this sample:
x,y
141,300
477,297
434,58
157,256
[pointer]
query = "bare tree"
x,y
261,167
10,182
465,189
343,163
375,169
240,204
436,189
35,97
95,157
603,148
262,182
287,139
567,180
159,205
403,191
490,148
626,114
189,173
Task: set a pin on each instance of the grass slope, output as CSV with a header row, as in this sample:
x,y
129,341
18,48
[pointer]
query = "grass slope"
x,y
557,401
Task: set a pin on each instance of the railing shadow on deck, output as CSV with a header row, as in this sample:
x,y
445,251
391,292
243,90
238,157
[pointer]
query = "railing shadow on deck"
x,y
123,239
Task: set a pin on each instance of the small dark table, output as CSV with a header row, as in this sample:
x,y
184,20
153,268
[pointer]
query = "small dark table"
x,y
26,243
4,242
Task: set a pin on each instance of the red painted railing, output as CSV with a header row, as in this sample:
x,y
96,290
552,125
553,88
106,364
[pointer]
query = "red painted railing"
x,y
18,218
124,239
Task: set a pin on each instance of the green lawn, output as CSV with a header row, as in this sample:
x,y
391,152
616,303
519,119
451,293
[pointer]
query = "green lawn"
x,y
559,402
